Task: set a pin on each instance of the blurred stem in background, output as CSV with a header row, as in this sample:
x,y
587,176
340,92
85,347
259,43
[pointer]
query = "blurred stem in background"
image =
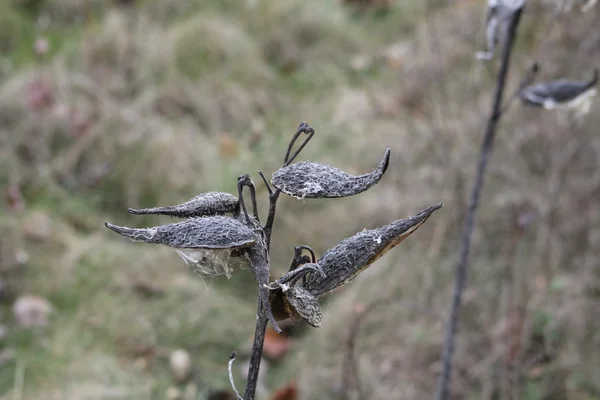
x,y
484,154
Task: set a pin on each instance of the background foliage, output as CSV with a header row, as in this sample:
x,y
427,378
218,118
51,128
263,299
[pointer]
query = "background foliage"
x,y
106,105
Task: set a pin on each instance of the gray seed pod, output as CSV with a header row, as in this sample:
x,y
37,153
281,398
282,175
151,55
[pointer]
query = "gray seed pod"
x,y
309,179
216,232
353,255
497,18
561,93
211,203
300,303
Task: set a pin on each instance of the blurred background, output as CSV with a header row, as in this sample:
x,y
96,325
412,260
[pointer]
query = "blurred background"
x,y
106,105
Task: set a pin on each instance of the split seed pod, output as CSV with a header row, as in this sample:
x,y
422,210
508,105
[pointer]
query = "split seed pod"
x,y
561,93
211,203
353,255
301,304
206,243
497,18
308,179
290,299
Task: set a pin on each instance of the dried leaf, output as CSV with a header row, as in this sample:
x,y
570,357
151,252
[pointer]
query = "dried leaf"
x,y
216,232
205,204
309,179
353,255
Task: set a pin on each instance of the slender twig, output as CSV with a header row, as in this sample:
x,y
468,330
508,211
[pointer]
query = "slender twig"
x,y
527,80
257,348
268,228
486,150
253,199
296,274
302,128
309,249
300,259
287,160
231,381
267,184
241,183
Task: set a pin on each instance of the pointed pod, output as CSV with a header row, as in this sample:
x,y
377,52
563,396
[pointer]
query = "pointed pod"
x,y
205,204
307,179
561,93
216,232
353,255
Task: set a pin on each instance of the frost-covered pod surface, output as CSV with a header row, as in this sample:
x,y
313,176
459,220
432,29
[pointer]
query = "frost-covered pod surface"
x,y
205,244
301,304
211,203
345,261
308,179
216,232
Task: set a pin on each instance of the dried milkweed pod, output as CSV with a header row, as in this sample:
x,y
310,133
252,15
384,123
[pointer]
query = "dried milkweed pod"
x,y
562,93
497,16
353,255
206,243
302,304
290,299
309,179
205,204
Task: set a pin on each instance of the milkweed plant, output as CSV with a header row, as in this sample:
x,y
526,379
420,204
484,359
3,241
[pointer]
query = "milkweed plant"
x,y
217,234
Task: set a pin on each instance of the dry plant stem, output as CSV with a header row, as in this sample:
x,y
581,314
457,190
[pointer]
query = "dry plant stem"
x,y
263,309
231,381
257,350
274,195
486,149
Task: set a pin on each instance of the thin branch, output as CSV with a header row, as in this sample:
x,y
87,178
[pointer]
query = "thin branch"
x,y
264,312
257,349
486,150
299,249
268,228
274,196
253,199
267,184
527,80
240,185
244,180
229,368
302,128
300,258
296,274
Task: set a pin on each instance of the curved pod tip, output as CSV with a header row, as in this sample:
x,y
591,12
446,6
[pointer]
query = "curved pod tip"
x,y
308,179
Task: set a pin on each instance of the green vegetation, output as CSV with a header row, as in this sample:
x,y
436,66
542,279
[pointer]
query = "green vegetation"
x,y
153,102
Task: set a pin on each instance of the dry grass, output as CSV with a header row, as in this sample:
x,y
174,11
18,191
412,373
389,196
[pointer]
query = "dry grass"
x,y
153,104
